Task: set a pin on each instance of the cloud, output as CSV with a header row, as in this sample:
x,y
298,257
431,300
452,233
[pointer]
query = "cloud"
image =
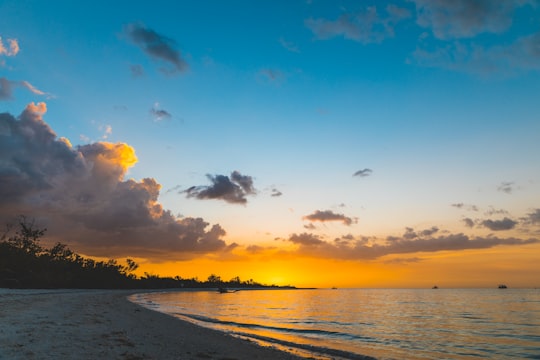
x,y
272,75
80,194
365,27
492,211
465,206
328,215
305,239
363,173
11,49
368,249
160,114
7,86
532,218
468,222
156,46
499,225
506,187
276,193
410,233
289,45
501,60
466,18
136,70
232,190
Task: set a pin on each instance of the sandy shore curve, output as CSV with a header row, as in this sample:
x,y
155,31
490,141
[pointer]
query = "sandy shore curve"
x,y
103,324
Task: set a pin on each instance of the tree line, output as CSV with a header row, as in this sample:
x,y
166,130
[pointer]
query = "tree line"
x,y
24,263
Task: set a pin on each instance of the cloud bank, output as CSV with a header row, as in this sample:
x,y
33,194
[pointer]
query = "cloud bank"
x,y
363,248
81,195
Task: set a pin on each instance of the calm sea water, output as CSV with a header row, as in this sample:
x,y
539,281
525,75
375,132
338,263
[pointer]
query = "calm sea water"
x,y
384,324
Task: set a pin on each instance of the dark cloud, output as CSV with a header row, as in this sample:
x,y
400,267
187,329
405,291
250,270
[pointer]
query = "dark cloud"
x,y
157,46
368,249
499,225
232,190
506,187
310,226
532,218
81,196
305,239
366,27
328,215
276,193
363,172
465,206
468,222
410,233
465,18
245,182
160,114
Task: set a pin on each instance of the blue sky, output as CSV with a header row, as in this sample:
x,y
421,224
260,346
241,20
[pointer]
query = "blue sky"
x,y
436,100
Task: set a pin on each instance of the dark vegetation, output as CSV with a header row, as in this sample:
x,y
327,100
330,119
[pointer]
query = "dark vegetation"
x,y
24,263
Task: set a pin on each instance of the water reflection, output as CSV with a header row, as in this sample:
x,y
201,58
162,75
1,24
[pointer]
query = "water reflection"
x,y
387,324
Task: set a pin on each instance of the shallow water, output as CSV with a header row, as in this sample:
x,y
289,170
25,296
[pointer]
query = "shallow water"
x,y
382,323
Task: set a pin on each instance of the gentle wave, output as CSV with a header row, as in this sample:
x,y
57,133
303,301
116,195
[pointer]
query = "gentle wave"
x,y
383,324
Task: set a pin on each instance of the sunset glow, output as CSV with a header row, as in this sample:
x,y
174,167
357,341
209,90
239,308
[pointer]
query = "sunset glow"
x,y
308,143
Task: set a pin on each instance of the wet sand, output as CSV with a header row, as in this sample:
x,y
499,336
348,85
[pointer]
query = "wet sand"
x,y
103,324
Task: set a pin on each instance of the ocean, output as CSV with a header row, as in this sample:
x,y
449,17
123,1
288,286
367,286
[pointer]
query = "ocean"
x,y
370,323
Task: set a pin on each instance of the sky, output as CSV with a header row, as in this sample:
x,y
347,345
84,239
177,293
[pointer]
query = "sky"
x,y
312,143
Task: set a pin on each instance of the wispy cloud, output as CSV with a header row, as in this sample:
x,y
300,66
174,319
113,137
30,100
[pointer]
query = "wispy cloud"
x,y
506,187
363,172
159,114
463,206
329,215
232,190
292,47
82,196
365,27
276,193
272,75
157,46
7,87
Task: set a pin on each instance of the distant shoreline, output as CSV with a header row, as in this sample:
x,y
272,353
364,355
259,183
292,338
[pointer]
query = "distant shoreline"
x,y
92,324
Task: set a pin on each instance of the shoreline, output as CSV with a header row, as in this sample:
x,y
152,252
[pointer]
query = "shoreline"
x,y
91,324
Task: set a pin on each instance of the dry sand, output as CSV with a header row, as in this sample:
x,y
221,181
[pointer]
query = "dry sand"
x,y
103,324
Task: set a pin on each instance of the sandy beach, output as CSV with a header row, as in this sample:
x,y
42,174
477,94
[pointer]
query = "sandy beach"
x,y
103,324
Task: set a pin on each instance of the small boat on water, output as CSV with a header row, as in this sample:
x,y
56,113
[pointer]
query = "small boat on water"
x,y
223,290
502,286
435,287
